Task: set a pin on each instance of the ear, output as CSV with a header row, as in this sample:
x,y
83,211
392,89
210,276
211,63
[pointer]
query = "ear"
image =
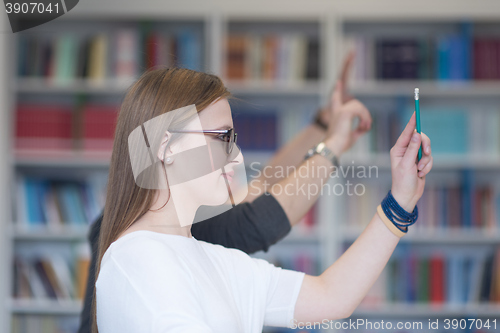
x,y
162,150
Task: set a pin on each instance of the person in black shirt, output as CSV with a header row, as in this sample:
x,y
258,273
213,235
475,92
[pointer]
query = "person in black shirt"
x,y
265,217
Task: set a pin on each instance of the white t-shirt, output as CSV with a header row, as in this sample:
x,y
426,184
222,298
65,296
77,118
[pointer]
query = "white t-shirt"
x,y
154,282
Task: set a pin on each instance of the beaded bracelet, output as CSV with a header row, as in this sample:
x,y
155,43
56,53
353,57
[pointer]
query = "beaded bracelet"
x,y
395,217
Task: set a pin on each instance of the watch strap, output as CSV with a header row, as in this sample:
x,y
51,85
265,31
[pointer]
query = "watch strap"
x,y
323,150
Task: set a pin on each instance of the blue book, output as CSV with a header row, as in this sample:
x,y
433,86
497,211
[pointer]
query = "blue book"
x,y
43,188
456,59
189,49
466,273
442,56
411,273
246,123
455,277
22,51
69,206
33,202
76,205
467,198
466,33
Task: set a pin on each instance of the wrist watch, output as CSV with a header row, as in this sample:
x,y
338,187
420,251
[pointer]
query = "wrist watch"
x,y
322,149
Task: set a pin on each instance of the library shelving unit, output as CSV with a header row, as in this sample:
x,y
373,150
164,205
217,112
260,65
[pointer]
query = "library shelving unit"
x,y
53,173
458,228
290,98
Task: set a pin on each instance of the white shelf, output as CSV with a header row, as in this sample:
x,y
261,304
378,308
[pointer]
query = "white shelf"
x,y
274,88
45,307
441,161
439,236
112,87
65,234
64,159
427,88
75,159
404,310
45,86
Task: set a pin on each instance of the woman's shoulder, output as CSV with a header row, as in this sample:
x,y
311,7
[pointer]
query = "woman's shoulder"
x,y
144,245
235,257
145,256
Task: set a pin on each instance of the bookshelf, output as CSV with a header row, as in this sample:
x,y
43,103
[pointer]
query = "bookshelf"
x,y
443,245
292,102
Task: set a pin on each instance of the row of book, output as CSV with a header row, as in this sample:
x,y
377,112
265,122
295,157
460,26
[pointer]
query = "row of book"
x,y
272,57
122,54
467,205
460,207
455,277
58,204
44,324
91,127
458,57
256,131
51,277
452,130
65,127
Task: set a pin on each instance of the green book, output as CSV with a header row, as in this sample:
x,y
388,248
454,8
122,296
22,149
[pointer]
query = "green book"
x,y
423,280
392,276
65,67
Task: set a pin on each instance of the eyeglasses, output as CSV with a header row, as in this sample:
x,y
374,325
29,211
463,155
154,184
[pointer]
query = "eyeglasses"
x,y
229,136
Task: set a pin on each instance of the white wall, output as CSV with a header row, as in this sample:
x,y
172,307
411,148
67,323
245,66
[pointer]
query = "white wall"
x,y
363,8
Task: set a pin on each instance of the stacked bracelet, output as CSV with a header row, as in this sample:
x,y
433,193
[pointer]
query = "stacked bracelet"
x,y
395,217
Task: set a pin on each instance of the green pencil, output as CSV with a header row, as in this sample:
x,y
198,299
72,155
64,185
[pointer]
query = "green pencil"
x,y
417,116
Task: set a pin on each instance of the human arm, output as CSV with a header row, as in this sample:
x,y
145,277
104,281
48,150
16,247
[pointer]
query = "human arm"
x,y
301,188
339,290
249,226
293,152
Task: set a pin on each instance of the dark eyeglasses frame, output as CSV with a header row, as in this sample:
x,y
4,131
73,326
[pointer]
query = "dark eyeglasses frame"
x,y
230,136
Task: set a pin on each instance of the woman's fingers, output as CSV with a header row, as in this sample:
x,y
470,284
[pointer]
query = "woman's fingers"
x,y
424,161
426,144
411,152
346,66
427,168
336,100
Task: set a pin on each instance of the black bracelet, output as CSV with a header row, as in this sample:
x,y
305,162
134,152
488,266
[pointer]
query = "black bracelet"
x,y
318,122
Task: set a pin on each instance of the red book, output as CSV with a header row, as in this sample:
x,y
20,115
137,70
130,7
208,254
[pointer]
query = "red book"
x,y
270,50
478,213
99,123
497,60
479,59
151,50
43,127
436,282
236,57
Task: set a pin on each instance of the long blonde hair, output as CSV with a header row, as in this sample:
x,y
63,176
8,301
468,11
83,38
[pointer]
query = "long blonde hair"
x,y
155,93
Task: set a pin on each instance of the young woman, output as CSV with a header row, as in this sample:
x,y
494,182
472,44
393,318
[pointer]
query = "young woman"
x,y
153,276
